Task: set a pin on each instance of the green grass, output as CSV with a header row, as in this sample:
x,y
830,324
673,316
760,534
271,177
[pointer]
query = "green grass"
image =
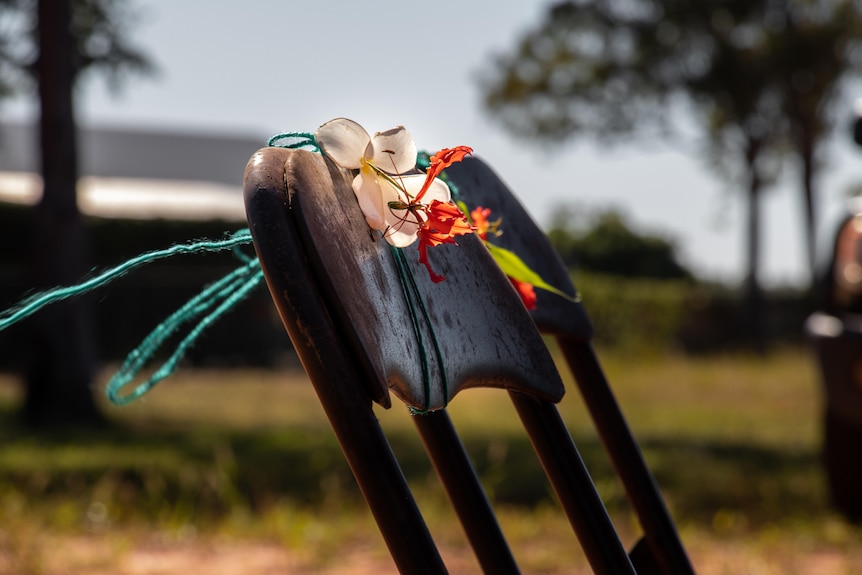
x,y
248,456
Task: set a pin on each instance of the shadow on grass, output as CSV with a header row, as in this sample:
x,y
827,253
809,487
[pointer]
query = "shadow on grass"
x,y
764,485
205,474
702,480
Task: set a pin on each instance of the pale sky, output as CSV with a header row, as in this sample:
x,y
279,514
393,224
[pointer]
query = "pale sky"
x,y
259,67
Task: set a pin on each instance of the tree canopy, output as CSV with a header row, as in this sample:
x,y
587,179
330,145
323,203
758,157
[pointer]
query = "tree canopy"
x,y
760,78
100,31
607,68
608,245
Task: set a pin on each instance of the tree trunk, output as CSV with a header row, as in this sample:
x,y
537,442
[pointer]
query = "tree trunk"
x,y
807,157
64,357
752,306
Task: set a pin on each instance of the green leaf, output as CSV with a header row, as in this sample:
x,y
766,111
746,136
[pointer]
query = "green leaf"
x,y
514,267
463,207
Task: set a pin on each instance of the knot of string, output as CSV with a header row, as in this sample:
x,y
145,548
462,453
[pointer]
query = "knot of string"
x,y
295,141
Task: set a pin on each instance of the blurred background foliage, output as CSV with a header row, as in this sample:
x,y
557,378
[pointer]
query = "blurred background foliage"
x,y
744,84
603,242
642,299
638,294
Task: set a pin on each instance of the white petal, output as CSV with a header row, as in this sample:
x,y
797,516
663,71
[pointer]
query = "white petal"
x,y
402,224
437,190
367,189
403,236
394,150
344,141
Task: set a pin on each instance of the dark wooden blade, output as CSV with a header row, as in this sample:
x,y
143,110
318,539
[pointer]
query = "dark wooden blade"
x,y
397,335
478,185
333,371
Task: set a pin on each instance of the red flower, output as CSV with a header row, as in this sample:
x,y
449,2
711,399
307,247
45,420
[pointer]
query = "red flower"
x,y
439,162
439,222
445,221
526,291
446,157
480,220
483,226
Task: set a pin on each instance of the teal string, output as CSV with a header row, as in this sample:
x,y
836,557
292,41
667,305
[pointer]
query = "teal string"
x,y
31,305
444,380
223,295
220,297
209,305
401,265
412,294
238,254
295,141
423,160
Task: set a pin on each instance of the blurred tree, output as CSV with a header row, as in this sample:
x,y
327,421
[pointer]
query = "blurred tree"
x,y
761,77
52,44
607,245
817,53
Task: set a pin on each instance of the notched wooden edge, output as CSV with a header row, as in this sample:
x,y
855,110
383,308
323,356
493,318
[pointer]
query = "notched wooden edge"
x,y
271,178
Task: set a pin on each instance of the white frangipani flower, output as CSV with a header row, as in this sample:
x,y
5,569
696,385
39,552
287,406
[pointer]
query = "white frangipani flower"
x,y
403,206
405,214
387,195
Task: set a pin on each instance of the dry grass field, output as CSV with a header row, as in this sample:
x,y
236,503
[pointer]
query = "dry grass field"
x,y
237,472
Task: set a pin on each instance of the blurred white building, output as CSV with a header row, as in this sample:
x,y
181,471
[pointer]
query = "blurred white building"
x,y
138,174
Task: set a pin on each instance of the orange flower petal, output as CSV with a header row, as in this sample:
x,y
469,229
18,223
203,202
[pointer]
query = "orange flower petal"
x,y
439,162
446,218
446,157
480,221
445,222
423,259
